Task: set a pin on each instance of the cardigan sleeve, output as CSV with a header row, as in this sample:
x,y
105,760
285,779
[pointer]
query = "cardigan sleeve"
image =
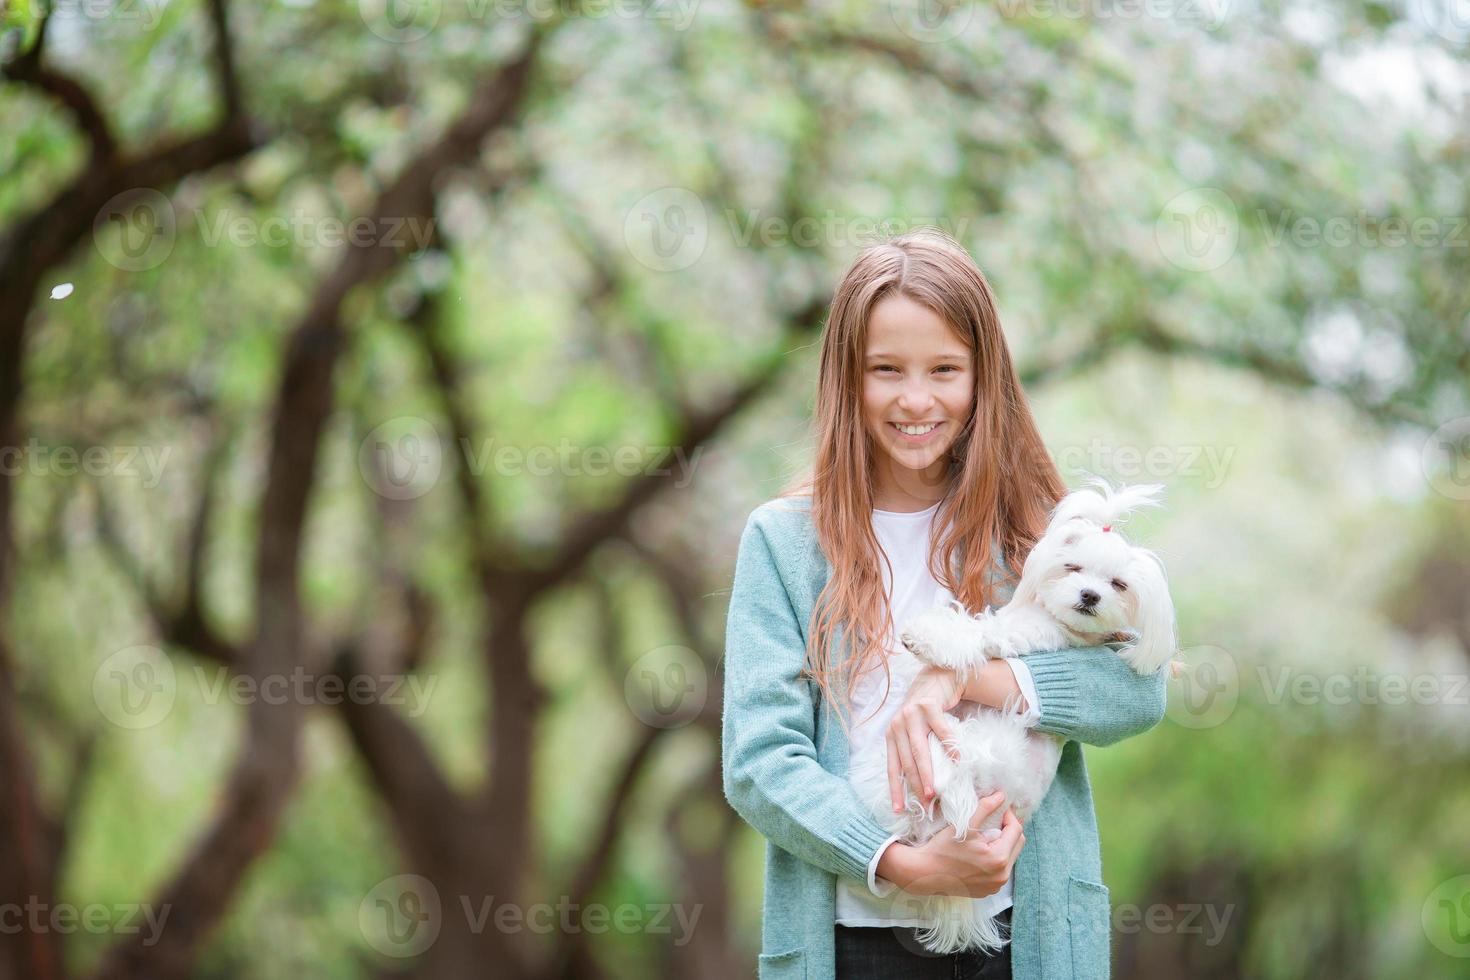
x,y
1089,694
769,765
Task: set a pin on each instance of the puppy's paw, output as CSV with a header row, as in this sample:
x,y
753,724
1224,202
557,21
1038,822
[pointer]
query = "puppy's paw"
x,y
933,637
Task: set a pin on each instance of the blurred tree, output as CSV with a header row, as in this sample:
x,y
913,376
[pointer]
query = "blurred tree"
x,y
613,231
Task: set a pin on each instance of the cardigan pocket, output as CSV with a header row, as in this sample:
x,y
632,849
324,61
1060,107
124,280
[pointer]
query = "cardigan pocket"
x,y
782,966
1089,919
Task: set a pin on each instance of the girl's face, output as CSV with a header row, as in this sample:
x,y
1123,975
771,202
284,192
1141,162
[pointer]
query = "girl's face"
x,y
917,376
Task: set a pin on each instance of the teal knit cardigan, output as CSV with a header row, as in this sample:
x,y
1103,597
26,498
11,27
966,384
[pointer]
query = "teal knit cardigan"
x,y
784,761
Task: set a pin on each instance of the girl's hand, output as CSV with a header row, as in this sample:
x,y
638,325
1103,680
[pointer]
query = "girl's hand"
x,y
974,867
933,692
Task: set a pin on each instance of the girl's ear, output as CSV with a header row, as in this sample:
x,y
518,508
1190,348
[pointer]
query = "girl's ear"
x,y
1154,619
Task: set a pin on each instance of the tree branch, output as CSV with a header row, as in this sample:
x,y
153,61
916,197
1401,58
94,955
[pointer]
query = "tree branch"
x,y
30,69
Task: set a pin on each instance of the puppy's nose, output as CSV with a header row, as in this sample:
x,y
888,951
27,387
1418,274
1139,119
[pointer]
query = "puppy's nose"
x,y
1090,598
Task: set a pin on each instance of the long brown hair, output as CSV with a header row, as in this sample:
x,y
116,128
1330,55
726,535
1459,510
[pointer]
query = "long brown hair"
x,y
1002,483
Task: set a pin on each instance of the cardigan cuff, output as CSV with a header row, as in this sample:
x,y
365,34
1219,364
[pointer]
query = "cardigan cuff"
x,y
858,846
1056,688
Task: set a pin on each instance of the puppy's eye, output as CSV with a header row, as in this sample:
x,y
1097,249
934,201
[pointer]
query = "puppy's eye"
x,y
1120,585
1073,568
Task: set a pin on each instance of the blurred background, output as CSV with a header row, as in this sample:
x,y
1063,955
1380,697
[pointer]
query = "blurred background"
x,y
384,386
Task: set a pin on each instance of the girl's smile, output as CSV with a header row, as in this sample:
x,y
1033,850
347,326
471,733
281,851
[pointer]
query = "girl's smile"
x,y
916,434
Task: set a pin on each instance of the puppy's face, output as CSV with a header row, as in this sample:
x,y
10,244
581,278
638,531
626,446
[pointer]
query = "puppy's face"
x,y
1088,578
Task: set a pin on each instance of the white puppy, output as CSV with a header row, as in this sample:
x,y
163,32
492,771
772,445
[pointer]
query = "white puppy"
x,y
1082,585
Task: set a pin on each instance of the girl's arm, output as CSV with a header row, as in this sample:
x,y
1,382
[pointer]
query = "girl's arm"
x,y
770,770
1085,693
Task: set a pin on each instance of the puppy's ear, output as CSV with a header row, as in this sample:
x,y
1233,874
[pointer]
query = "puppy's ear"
x,y
1154,621
1036,567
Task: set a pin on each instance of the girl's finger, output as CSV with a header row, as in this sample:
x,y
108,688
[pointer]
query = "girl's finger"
x,y
919,745
1008,842
905,759
895,779
940,723
987,806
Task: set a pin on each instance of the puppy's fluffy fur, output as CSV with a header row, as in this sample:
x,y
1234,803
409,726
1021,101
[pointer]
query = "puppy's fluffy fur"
x,y
1082,585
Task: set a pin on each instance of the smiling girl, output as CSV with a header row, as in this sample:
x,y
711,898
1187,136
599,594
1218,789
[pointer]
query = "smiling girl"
x,y
931,482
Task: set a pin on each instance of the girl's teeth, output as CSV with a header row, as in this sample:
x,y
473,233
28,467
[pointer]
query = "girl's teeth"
x,y
916,430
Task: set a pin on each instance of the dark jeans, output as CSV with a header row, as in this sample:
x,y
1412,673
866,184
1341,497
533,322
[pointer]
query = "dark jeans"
x,y
865,952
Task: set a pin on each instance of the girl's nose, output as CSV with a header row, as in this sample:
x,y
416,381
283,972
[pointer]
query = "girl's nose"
x,y
915,398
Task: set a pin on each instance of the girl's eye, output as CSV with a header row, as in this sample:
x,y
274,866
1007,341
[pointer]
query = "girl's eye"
x,y
1120,585
946,367
885,367
1074,568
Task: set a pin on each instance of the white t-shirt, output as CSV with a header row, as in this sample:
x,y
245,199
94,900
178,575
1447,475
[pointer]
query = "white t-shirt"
x,y
912,589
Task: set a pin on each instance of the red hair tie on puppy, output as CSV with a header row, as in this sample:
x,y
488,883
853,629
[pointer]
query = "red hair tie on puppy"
x,y
1107,527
